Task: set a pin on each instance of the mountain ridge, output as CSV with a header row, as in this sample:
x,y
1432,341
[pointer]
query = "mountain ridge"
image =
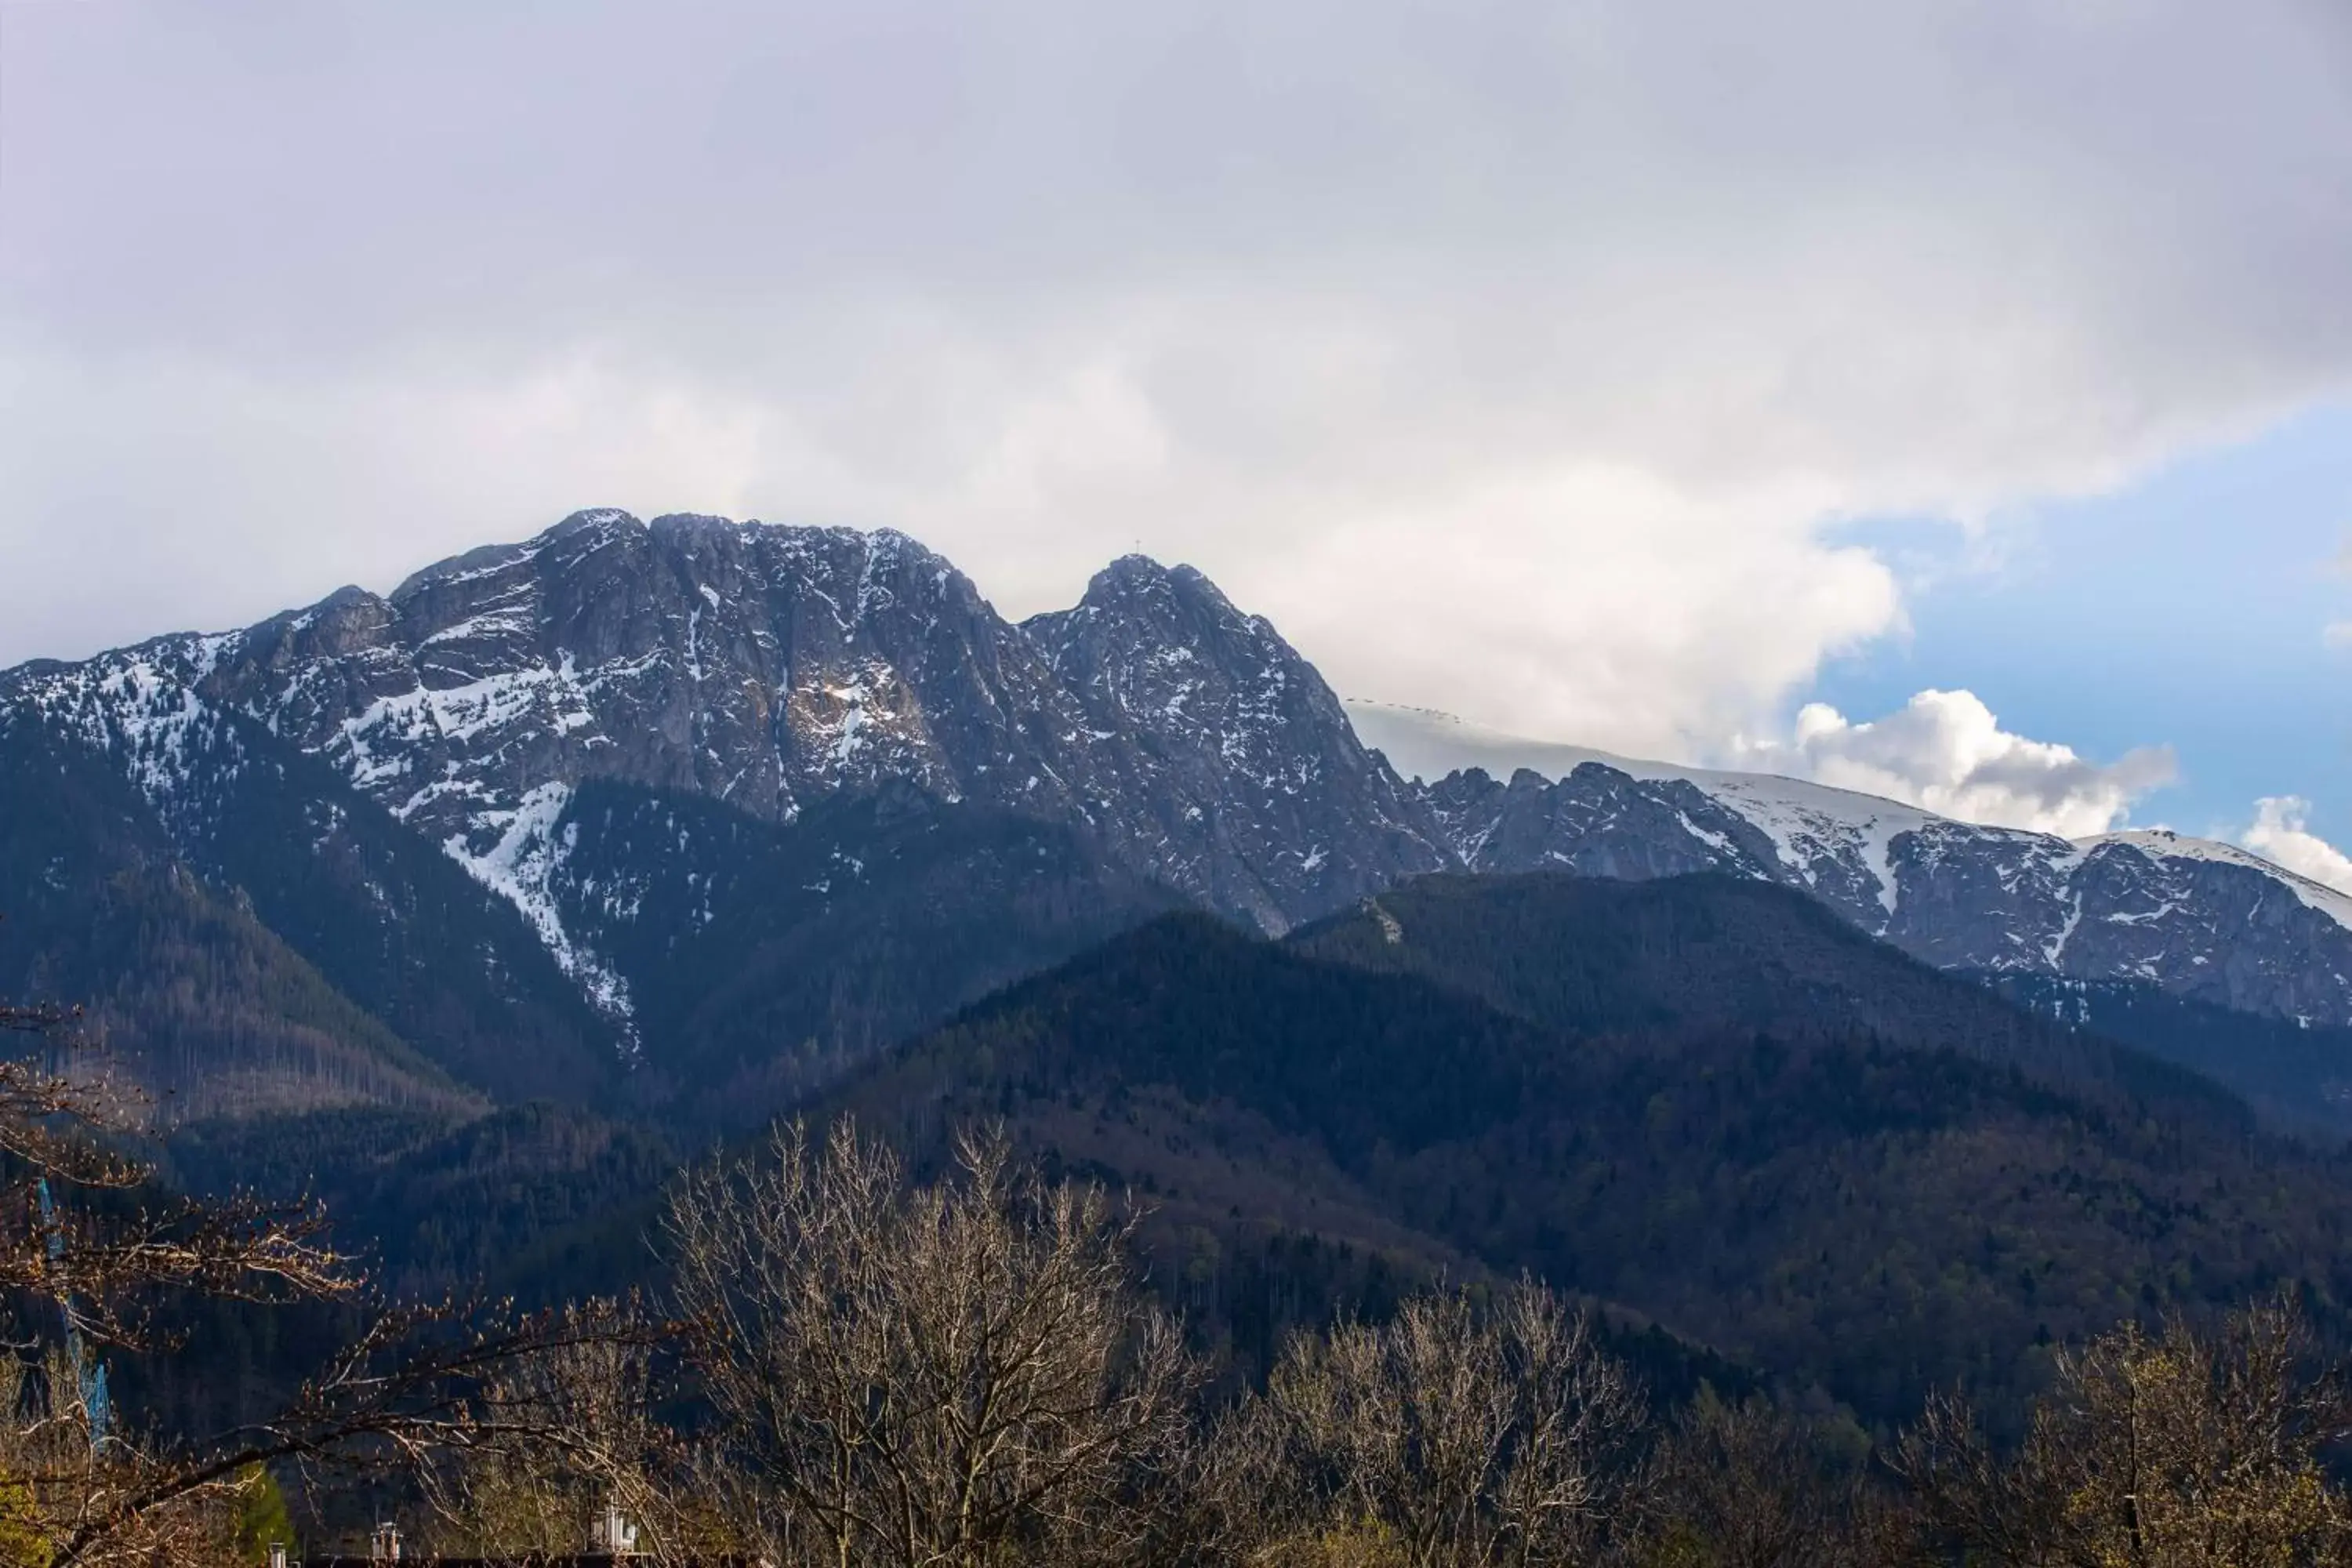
x,y
769,669
2143,904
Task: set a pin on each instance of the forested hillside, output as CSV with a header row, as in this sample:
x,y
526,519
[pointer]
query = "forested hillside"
x,y
765,959
1854,1200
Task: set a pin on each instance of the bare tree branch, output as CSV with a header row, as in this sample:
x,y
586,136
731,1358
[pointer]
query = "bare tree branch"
x,y
944,1376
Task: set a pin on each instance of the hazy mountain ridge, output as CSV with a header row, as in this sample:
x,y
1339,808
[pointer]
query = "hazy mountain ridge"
x,y
2198,917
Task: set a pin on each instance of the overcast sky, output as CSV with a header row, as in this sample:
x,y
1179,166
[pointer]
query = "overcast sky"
x,y
1811,385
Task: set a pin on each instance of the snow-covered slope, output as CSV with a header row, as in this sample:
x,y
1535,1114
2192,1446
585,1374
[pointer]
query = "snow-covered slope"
x,y
2197,917
2162,844
349,940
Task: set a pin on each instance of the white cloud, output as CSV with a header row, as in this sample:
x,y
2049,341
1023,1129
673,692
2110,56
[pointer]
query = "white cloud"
x,y
1943,750
1513,358
2337,633
2282,832
1946,751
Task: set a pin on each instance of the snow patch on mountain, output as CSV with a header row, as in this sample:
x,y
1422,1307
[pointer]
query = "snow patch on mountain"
x,y
520,864
138,705
377,745
2162,844
1810,824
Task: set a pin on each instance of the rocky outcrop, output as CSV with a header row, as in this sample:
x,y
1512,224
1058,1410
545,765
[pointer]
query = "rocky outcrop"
x,y
1244,785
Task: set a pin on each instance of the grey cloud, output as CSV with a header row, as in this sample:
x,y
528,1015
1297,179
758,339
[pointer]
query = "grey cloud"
x,y
1512,355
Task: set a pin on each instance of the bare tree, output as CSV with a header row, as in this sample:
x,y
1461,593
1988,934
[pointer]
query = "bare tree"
x,y
1754,1485
1451,1437
420,1384
2187,1448
87,1246
962,1373
59,1132
575,1435
62,1475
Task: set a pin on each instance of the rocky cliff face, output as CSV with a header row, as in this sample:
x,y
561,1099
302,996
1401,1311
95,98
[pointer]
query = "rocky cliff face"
x,y
770,667
770,670
763,667
1244,785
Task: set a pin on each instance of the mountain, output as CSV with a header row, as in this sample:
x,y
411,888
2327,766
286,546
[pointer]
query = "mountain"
x,y
2199,919
693,814
262,938
676,825
751,678
771,667
1699,1098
